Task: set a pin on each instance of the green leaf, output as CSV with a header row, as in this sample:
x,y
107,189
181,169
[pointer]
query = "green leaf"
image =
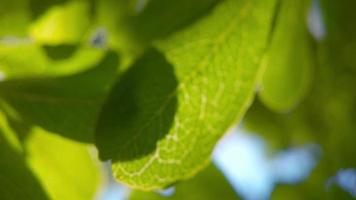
x,y
210,184
16,179
64,167
166,114
289,61
65,105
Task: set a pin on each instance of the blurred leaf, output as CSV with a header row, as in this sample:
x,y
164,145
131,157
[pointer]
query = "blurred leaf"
x,y
157,131
66,105
14,18
39,61
64,167
289,61
281,130
326,116
210,184
62,24
16,179
341,29
130,23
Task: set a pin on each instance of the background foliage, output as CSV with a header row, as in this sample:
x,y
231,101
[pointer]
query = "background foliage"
x,y
152,86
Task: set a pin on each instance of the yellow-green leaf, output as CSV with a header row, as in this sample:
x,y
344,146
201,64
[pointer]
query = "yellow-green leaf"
x,y
166,114
64,167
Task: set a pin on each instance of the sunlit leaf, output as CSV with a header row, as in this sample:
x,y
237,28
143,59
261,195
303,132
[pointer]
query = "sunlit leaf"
x,y
167,112
64,167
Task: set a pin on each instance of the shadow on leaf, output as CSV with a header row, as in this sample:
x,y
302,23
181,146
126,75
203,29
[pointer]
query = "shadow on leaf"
x,y
140,110
60,52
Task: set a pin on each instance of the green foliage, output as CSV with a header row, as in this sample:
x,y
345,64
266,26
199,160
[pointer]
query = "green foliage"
x,y
20,181
42,167
55,167
163,119
154,85
65,105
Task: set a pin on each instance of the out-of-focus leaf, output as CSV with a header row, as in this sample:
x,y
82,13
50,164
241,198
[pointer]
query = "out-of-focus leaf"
x,y
281,130
289,61
66,105
328,112
64,167
14,18
341,29
314,187
164,117
210,184
62,24
40,61
16,179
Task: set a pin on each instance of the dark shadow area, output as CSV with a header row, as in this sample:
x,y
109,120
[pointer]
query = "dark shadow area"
x,y
60,52
161,17
68,106
21,129
39,7
18,181
139,111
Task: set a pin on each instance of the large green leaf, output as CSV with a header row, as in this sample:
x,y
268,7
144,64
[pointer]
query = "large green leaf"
x,y
289,60
210,184
66,105
16,179
167,112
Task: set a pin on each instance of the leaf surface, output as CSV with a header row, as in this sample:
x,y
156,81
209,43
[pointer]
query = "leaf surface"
x,y
166,114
